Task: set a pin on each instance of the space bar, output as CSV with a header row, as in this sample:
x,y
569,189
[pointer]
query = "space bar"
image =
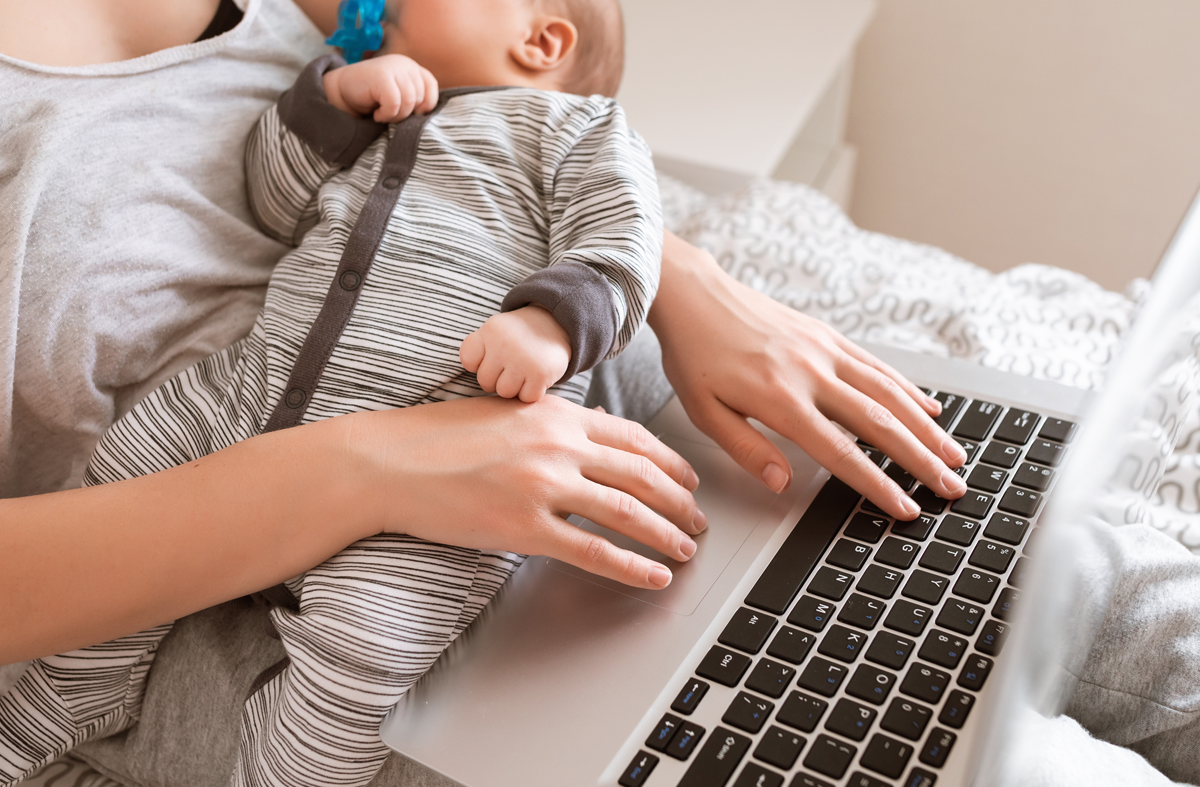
x,y
804,546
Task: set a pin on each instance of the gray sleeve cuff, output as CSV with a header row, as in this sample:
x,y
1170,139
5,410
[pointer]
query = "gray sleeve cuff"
x,y
336,136
581,300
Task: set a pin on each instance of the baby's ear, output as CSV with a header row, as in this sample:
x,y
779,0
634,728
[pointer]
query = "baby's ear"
x,y
549,45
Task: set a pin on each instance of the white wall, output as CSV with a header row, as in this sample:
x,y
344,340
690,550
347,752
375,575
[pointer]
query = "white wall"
x,y
1064,132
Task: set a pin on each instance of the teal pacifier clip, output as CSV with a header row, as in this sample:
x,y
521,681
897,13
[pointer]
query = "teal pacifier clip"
x,y
358,30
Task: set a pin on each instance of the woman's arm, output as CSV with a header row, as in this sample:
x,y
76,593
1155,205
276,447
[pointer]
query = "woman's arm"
x,y
88,565
732,353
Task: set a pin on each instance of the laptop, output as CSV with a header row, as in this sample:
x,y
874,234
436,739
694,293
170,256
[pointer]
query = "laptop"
x,y
812,641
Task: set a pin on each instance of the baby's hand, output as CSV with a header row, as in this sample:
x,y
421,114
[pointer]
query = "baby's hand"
x,y
518,353
389,87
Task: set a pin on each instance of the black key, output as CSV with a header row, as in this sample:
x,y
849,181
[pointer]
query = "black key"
x,y
757,776
811,613
1020,572
925,683
926,587
928,501
1006,603
951,405
689,697
976,586
1046,453
717,761
791,565
957,530
1021,502
907,719
770,678
870,684
918,529
829,756
973,505
886,755
791,645
801,711
978,420
971,447
780,748
685,740
748,712
991,639
989,479
942,558
664,732
1006,528
938,747
902,477
943,649
639,770
960,616
747,630
992,556
848,555
919,777
1017,426
830,583
1058,430
823,677
851,720
889,650
1034,477
860,779
880,581
908,617
874,454
897,552
843,644
866,527
958,707
975,672
723,666
805,780
1001,455
862,611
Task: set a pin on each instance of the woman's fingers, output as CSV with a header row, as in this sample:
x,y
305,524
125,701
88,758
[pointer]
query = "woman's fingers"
x,y
600,556
744,444
623,513
927,403
638,476
635,438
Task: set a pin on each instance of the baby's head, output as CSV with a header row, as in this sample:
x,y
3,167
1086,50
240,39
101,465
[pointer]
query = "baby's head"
x,y
575,46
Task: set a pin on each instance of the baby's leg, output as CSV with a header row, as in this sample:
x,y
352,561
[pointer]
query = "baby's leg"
x,y
372,620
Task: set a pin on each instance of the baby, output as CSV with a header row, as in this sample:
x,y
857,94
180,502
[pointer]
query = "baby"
x,y
467,198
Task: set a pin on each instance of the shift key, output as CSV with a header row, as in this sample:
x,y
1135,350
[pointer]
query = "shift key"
x,y
717,761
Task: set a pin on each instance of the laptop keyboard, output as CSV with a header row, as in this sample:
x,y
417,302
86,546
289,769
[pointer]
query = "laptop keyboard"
x,y
860,650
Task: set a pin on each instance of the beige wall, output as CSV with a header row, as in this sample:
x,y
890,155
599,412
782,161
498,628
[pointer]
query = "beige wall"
x,y
1064,132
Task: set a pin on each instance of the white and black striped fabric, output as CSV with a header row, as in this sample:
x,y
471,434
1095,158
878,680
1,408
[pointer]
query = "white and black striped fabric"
x,y
505,184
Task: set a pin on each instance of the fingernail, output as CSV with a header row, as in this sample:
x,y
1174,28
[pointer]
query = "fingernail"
x,y
687,548
658,576
953,483
910,508
699,521
935,404
775,478
953,451
691,481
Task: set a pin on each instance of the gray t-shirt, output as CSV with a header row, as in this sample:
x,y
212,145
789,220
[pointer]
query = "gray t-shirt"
x,y
127,248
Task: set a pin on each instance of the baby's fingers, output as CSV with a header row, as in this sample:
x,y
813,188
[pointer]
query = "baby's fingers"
x,y
431,92
471,352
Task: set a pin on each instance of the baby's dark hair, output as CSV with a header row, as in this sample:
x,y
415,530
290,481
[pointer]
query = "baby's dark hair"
x,y
600,50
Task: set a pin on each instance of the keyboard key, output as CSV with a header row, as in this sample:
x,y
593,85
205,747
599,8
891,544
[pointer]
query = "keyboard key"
x,y
992,556
689,697
958,707
943,649
880,581
989,479
951,405
976,586
723,666
791,645
942,558
770,678
829,756
1046,453
779,748
860,779
867,528
902,477
664,732
957,530
1021,502
926,587
823,677
1017,426
978,420
685,740
757,776
811,613
1058,430
928,501
973,505
908,617
897,552
848,555
890,651
805,780
870,684
919,777
843,644
874,454
991,639
851,720
975,672
970,446
639,770
960,616
748,712
747,630
917,530
906,719
717,761
1006,604
1020,572
1001,455
1034,477
887,756
938,747
862,611
830,583
1006,528
801,711
925,683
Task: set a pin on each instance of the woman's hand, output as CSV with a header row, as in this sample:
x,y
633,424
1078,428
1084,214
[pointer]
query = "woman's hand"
x,y
732,353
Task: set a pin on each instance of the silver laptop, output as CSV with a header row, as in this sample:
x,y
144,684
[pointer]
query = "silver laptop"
x,y
812,641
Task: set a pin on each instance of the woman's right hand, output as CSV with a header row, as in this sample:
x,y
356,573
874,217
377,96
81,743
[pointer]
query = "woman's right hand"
x,y
489,473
